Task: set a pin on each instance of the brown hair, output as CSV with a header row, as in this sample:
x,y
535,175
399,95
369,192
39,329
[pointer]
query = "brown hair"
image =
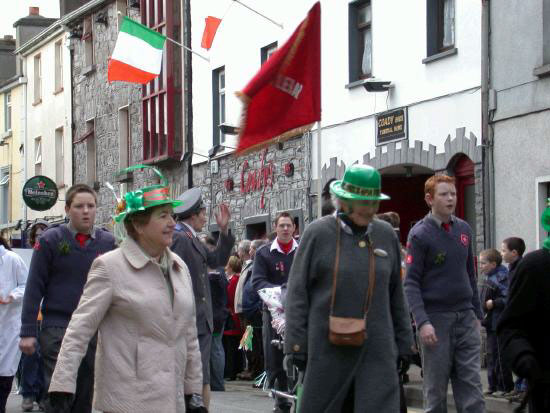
x,y
492,255
137,218
515,243
283,215
431,183
4,243
235,264
78,189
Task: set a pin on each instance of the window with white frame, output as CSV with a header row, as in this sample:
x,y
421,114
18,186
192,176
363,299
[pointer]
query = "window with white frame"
x,y
7,112
58,66
218,80
124,137
4,194
59,157
267,51
360,40
38,156
37,79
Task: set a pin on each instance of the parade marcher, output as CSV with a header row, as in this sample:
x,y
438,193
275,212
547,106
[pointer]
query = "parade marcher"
x,y
347,272
232,333
192,218
522,330
441,288
218,288
493,299
271,268
139,298
13,277
252,314
32,376
58,271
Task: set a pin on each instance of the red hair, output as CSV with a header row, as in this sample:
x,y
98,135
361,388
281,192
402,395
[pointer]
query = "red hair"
x,y
431,183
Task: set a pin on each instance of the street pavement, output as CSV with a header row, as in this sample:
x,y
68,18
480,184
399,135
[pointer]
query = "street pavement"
x,y
239,397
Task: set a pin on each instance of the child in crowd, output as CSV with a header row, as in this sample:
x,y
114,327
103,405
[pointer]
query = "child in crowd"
x,y
494,294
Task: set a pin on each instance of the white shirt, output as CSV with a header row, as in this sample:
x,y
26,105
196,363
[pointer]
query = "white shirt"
x,y
275,246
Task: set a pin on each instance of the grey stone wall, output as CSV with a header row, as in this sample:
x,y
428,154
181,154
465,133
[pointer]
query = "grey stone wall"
x,y
287,194
95,98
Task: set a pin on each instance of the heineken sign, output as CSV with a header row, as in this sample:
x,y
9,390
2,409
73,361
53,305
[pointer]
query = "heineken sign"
x,y
40,193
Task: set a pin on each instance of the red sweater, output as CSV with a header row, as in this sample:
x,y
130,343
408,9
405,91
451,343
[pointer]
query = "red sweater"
x,y
232,328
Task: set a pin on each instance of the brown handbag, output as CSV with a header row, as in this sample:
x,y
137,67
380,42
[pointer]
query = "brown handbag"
x,y
348,331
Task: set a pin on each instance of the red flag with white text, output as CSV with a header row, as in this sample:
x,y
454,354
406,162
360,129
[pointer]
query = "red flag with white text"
x,y
283,99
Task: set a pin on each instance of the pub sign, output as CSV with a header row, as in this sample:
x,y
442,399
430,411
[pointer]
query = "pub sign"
x,y
391,126
40,193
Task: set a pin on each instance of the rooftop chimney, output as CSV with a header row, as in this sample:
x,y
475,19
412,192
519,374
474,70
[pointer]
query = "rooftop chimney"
x,y
34,11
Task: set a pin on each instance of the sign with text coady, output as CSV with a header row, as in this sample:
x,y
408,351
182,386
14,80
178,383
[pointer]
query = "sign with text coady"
x,y
40,193
391,126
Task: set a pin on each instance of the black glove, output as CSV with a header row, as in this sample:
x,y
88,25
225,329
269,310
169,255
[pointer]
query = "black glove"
x,y
194,404
403,363
299,360
528,367
60,401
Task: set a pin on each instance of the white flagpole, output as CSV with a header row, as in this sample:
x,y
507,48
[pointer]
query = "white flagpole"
x,y
259,14
188,49
319,171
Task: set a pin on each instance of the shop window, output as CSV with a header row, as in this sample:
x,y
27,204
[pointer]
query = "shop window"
x,y
360,40
267,51
59,157
4,194
58,66
218,110
162,97
88,39
38,156
7,112
37,79
440,27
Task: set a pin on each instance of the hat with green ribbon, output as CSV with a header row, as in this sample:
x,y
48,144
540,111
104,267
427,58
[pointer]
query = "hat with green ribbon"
x,y
144,198
360,183
545,221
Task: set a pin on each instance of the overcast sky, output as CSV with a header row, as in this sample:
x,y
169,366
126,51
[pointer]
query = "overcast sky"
x,y
13,10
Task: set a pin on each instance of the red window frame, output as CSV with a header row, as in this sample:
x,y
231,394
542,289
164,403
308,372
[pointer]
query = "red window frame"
x,y
158,96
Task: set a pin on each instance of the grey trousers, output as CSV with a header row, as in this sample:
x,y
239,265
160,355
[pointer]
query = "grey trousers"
x,y
456,356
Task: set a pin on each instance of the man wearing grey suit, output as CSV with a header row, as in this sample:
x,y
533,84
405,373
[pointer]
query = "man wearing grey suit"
x,y
191,217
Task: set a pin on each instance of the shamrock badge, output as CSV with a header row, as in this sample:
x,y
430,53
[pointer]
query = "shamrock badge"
x,y
64,247
440,258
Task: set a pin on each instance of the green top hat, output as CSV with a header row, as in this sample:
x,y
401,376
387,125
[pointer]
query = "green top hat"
x,y
144,198
360,183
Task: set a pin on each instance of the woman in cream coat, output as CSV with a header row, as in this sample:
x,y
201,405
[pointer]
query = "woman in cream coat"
x,y
140,299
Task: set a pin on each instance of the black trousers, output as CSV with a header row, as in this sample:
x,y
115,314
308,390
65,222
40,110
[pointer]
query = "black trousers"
x,y
50,344
499,375
276,376
233,356
5,389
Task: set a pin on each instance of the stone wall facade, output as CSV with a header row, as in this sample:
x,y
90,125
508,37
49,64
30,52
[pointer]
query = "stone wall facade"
x,y
94,98
282,192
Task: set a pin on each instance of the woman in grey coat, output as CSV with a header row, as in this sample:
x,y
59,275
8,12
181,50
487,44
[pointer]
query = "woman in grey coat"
x,y
363,378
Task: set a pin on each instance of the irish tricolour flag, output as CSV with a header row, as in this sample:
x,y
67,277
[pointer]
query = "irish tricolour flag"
x,y
137,57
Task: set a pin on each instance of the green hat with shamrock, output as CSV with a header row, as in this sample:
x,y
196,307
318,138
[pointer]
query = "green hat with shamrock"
x,y
545,221
144,198
360,183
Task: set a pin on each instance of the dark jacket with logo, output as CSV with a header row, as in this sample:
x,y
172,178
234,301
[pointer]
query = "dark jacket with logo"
x,y
58,271
198,258
440,270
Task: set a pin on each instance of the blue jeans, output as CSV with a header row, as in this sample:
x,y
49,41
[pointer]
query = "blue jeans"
x,y
455,357
217,363
32,376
